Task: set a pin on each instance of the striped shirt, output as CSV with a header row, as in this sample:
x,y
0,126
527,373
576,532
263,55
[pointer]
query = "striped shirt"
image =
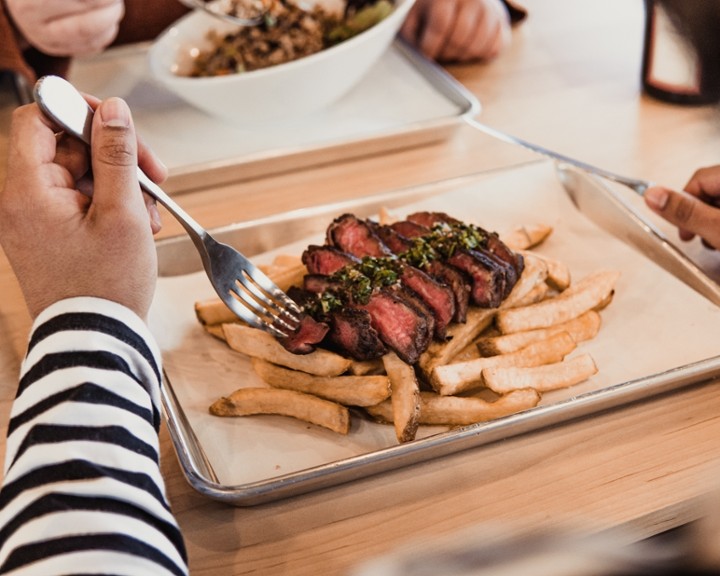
x,y
82,491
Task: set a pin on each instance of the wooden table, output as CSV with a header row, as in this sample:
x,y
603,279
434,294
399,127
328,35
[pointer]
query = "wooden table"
x,y
570,81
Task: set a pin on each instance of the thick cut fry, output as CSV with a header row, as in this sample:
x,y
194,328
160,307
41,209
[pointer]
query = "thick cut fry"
x,y
537,293
289,276
584,327
525,237
405,399
455,378
366,367
558,272
576,300
306,407
459,336
213,311
259,344
534,273
215,330
542,378
348,390
287,260
462,410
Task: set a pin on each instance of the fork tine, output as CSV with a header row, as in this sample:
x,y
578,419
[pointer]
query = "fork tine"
x,y
240,306
266,311
271,290
269,296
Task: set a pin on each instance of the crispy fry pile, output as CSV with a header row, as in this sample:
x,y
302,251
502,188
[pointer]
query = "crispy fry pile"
x,y
498,363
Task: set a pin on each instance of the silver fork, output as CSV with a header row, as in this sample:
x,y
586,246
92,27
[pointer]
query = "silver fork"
x,y
244,288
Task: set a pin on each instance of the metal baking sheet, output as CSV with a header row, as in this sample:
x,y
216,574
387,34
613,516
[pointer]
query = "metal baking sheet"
x,y
405,100
648,345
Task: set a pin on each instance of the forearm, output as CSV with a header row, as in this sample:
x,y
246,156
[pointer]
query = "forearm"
x,y
82,484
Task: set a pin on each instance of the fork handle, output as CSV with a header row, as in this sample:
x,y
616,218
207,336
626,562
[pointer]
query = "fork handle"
x,y
196,232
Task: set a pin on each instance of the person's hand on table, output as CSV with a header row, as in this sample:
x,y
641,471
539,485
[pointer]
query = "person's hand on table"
x,y
696,213
458,30
62,242
67,27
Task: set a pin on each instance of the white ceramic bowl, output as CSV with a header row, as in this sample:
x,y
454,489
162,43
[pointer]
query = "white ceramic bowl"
x,y
295,88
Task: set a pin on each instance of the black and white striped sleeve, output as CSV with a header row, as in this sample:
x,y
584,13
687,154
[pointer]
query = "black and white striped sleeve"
x,y
82,491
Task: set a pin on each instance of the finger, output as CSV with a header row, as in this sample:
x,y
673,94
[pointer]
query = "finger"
x,y
72,155
492,34
151,163
438,26
466,27
705,184
411,26
689,214
153,213
114,157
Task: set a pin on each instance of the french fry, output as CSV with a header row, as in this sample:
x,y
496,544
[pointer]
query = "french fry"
x,y
347,390
541,378
584,327
215,330
536,294
579,298
534,273
525,237
287,260
305,407
366,367
289,276
213,312
454,378
459,336
462,410
405,398
558,273
259,344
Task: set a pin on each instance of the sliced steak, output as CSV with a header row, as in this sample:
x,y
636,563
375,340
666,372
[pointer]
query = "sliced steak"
x,y
439,298
326,259
351,332
399,324
355,236
488,277
306,337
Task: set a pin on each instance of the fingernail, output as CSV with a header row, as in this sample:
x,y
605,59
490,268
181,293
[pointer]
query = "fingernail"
x,y
657,197
155,216
114,113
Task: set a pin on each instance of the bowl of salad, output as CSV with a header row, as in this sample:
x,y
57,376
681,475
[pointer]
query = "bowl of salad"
x,y
300,58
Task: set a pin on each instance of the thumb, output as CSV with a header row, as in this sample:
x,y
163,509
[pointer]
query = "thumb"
x,y
114,156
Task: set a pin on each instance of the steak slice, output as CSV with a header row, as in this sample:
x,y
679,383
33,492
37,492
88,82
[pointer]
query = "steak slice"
x,y
439,298
355,236
487,275
308,334
399,324
326,259
351,332
459,283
